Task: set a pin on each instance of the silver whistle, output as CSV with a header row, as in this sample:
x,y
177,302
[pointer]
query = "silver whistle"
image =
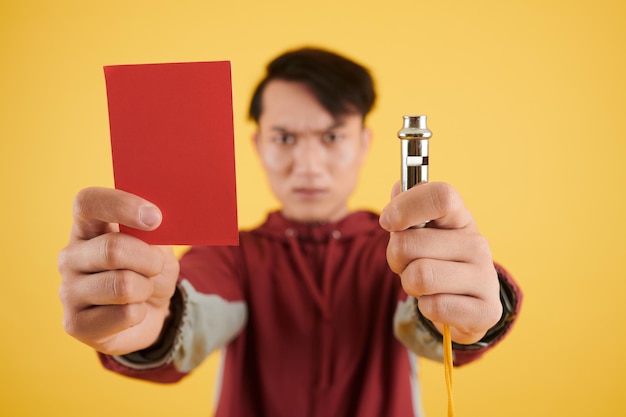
x,y
414,136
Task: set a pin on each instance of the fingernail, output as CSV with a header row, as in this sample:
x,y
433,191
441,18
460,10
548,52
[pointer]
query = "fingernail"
x,y
150,216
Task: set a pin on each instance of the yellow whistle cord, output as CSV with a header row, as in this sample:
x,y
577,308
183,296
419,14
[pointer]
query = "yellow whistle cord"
x,y
447,364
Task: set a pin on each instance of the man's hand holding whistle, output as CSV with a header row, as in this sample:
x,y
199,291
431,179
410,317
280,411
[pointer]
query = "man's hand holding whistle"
x,y
447,265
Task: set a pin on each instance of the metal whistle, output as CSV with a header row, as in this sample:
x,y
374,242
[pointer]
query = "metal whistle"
x,y
414,136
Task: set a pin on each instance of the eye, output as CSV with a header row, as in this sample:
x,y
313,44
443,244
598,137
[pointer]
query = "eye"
x,y
332,137
284,139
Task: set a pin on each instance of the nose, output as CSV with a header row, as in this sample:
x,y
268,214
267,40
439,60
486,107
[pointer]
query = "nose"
x,y
310,157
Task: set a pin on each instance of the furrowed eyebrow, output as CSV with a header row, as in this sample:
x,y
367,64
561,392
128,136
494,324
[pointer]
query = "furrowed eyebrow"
x,y
280,129
335,125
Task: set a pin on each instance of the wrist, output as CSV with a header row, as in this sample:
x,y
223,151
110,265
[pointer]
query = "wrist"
x,y
509,301
160,351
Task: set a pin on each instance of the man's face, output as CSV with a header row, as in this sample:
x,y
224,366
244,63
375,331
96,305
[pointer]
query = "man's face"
x,y
312,160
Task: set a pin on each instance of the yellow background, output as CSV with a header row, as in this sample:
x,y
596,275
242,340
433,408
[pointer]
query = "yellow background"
x,y
526,102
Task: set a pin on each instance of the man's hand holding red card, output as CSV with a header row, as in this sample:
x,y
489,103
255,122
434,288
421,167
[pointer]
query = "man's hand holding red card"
x,y
173,158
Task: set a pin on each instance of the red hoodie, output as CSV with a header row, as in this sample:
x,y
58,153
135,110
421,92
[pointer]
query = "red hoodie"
x,y
306,314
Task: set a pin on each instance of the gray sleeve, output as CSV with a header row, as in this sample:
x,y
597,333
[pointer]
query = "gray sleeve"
x,y
207,322
412,333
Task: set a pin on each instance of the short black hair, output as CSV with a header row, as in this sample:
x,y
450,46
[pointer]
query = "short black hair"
x,y
341,85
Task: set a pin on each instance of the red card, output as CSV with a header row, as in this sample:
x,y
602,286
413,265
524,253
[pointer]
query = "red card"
x,y
172,142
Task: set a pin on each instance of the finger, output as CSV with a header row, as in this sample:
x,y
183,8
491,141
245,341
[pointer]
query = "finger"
x,y
112,251
469,318
430,277
437,202
106,288
95,209
441,244
99,322
165,283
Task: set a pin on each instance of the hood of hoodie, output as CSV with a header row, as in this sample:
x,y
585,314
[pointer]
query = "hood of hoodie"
x,y
356,223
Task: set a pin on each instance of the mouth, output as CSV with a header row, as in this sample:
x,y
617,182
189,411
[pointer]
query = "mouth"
x,y
309,193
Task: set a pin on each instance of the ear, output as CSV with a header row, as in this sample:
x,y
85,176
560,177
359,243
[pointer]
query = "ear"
x,y
255,140
366,139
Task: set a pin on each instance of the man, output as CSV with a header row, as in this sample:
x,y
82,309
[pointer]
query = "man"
x,y
309,308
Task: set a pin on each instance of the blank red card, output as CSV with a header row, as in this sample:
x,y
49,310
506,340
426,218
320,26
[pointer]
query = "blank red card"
x,y
172,142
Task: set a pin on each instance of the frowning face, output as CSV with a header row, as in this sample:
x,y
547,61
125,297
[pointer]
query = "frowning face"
x,y
312,159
